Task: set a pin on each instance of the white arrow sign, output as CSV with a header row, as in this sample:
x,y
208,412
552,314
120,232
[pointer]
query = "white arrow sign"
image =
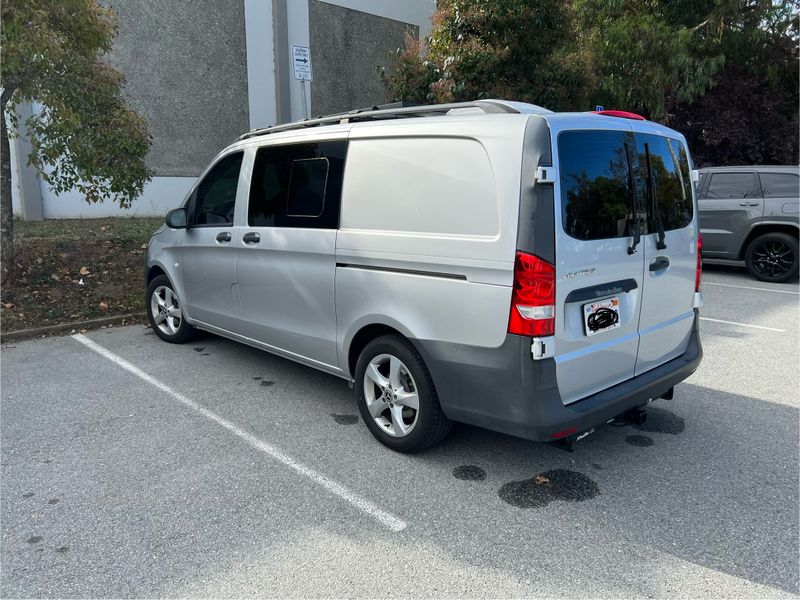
x,y
301,61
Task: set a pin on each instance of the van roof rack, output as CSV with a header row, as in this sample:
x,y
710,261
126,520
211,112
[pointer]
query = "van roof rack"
x,y
395,110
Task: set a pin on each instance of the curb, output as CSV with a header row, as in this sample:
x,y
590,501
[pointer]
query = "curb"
x,y
24,334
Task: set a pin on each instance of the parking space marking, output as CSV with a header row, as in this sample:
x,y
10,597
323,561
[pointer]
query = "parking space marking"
x,y
744,325
388,520
747,287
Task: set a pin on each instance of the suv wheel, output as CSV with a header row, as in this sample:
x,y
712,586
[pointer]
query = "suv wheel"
x,y
164,312
772,257
396,397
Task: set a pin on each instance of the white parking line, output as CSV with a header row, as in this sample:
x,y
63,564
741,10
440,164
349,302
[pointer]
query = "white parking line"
x,y
387,520
747,287
743,325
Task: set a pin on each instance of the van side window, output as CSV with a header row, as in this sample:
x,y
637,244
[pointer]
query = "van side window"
x,y
596,199
730,185
667,189
297,185
307,187
780,185
215,197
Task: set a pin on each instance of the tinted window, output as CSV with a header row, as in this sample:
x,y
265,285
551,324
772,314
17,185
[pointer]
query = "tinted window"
x,y
216,195
595,184
667,191
307,187
298,185
780,185
730,185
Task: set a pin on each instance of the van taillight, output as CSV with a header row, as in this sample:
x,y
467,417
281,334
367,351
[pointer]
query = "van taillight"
x,y
533,300
699,271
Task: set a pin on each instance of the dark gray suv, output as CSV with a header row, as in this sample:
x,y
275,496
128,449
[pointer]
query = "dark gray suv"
x,y
752,214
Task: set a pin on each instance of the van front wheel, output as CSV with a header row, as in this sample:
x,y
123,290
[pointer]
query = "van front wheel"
x,y
396,396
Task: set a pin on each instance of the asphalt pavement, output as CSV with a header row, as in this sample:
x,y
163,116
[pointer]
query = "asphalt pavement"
x,y
131,467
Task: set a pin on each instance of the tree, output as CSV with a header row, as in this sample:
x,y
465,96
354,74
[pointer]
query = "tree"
x,y
750,114
649,55
85,136
521,49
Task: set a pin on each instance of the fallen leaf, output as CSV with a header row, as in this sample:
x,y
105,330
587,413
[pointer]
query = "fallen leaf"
x,y
54,277
8,305
541,479
84,271
144,245
103,306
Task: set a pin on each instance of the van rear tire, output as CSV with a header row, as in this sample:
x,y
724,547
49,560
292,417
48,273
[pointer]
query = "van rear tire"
x,y
396,396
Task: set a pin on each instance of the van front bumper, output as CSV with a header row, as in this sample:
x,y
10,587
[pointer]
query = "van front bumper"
x,y
505,390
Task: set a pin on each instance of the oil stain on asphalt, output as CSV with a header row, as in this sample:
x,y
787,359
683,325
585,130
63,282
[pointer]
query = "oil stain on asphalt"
x,y
265,383
469,473
639,440
345,419
539,491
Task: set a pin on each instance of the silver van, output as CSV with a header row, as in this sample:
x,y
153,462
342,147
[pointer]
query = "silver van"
x,y
491,262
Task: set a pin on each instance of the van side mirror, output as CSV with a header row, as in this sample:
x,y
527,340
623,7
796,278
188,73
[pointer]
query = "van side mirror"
x,y
177,219
695,175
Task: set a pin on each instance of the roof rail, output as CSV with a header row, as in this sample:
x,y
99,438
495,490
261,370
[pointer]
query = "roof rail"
x,y
388,111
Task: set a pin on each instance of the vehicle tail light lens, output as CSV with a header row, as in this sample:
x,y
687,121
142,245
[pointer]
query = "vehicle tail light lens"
x,y
699,272
533,300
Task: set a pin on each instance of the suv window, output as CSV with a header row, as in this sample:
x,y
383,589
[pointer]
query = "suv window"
x,y
297,185
215,197
780,185
595,184
667,191
730,185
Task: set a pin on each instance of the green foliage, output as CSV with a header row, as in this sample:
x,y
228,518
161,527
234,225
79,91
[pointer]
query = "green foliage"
x,y
85,134
649,55
520,49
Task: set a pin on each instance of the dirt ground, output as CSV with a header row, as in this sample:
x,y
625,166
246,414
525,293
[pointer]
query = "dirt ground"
x,y
75,270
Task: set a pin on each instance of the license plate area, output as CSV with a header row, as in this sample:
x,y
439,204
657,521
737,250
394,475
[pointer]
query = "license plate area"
x,y
601,316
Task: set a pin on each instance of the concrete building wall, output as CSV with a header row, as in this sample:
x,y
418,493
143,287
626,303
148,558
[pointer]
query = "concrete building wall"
x,y
348,46
186,69
205,71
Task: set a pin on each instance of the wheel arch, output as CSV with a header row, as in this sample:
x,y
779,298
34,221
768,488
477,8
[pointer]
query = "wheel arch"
x,y
764,228
364,333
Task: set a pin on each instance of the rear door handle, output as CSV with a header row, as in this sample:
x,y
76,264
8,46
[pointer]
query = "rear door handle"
x,y
659,263
224,236
748,203
251,238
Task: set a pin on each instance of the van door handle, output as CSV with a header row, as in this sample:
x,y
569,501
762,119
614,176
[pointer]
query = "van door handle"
x,y
224,236
659,263
748,203
251,238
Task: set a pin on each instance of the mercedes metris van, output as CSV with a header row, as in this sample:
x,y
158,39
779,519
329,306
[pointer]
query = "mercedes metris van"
x,y
491,262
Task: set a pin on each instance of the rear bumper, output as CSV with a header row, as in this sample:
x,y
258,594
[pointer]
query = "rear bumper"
x,y
505,390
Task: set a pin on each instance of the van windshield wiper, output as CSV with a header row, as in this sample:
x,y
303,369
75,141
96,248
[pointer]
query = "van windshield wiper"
x,y
637,222
651,192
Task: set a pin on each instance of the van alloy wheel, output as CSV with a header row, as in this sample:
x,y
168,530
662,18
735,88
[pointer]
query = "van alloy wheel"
x,y
391,395
166,310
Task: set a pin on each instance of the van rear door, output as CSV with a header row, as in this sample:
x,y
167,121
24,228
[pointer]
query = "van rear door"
x,y
598,273
669,247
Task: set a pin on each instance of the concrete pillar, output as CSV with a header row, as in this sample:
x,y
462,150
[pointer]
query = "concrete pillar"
x,y
26,188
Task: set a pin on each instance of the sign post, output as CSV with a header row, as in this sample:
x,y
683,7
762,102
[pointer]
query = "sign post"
x,y
301,62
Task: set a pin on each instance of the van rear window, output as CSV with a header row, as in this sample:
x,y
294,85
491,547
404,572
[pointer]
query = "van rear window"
x,y
595,184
